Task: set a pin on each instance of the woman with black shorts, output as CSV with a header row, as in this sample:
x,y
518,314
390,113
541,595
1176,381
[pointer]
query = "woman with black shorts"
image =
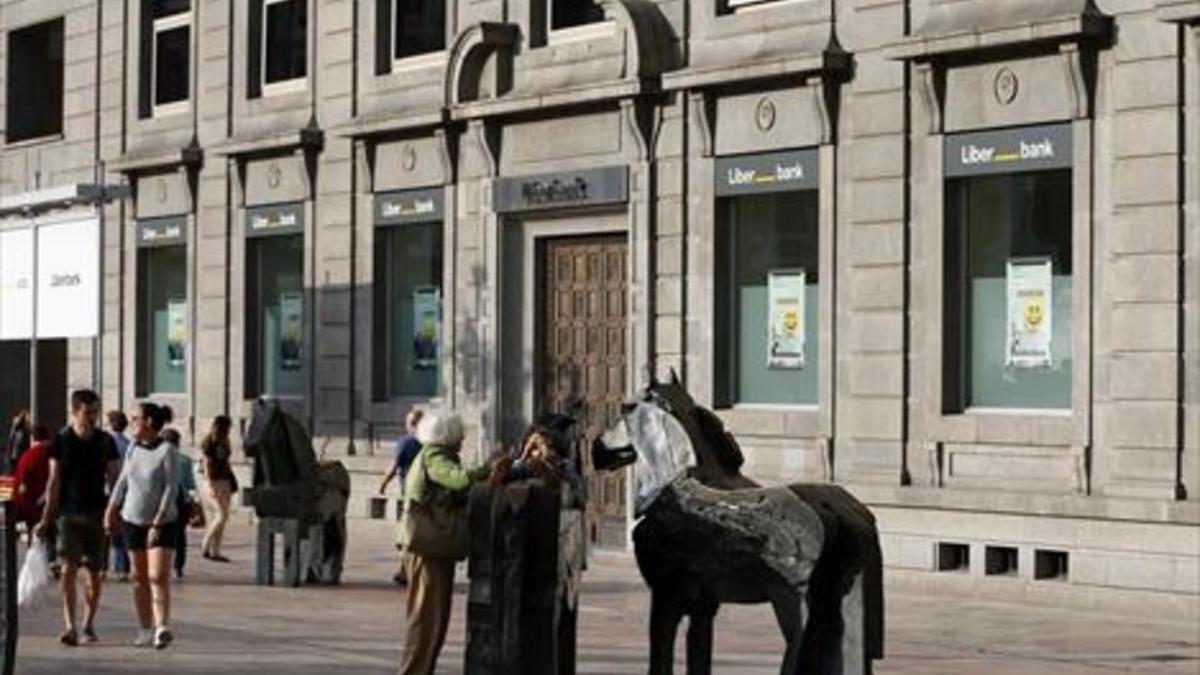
x,y
144,498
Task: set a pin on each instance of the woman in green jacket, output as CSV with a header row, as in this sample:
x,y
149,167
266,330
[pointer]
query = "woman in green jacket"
x,y
438,481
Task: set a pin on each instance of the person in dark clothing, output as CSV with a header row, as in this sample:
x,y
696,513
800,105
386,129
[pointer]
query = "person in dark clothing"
x,y
185,500
117,424
83,460
17,441
545,452
219,484
407,449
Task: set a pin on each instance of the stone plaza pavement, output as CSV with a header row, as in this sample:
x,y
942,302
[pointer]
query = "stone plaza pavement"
x,y
225,624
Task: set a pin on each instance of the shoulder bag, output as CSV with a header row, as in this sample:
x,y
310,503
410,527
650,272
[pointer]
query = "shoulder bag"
x,y
433,530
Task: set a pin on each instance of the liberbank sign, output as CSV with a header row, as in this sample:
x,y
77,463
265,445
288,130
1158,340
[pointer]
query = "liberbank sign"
x,y
785,171
1016,150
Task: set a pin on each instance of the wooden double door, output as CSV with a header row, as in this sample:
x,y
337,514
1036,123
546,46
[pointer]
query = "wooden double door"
x,y
582,354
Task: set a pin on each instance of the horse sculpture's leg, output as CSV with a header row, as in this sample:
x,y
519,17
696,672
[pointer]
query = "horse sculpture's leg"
x,y
790,614
700,639
665,614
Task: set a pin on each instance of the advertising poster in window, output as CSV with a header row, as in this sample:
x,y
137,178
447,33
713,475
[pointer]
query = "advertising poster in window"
x,y
427,320
1030,283
785,302
291,329
176,333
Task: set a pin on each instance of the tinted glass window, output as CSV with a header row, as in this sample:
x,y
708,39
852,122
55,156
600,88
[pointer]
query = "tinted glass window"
x,y
1009,313
285,48
568,13
35,80
420,27
769,253
172,67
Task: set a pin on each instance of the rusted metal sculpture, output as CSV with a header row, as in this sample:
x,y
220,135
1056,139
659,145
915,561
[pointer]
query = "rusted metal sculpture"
x,y
527,559
708,535
295,496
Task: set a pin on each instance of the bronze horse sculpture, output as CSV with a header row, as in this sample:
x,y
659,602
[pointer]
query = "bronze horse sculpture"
x,y
707,535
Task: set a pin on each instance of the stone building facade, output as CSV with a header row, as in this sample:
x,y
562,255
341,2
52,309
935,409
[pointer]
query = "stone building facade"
x,y
944,252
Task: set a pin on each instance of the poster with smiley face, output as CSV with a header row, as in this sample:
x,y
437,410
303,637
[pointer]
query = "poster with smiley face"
x,y
1030,313
785,307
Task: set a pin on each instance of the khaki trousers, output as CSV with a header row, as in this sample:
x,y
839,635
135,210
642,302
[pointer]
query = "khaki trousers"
x,y
430,589
219,494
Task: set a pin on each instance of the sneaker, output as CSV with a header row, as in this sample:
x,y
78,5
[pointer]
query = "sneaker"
x,y
219,558
69,638
162,637
145,638
89,634
207,555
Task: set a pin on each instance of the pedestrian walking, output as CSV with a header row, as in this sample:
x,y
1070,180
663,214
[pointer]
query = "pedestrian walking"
x,y
185,502
117,424
407,448
83,459
17,441
144,499
219,484
30,477
435,492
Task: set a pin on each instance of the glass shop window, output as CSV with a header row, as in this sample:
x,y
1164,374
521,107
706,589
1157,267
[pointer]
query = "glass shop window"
x,y
1008,339
768,301
275,315
408,310
162,320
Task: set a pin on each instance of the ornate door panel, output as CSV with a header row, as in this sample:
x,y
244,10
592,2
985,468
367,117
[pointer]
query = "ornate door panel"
x,y
582,353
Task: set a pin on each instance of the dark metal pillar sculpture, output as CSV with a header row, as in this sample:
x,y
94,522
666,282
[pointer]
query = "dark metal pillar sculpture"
x,y
8,577
527,558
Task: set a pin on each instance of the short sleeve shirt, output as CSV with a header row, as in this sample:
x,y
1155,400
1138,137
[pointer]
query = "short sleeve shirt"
x,y
82,466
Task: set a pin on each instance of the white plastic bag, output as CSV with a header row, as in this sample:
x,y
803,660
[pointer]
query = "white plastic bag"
x,y
35,580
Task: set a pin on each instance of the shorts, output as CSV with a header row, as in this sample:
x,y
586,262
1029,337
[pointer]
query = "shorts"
x,y
137,537
81,541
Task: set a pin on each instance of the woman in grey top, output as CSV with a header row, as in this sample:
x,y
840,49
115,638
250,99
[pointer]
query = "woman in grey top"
x,y
144,498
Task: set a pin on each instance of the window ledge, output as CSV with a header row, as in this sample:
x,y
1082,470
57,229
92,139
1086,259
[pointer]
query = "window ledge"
x,y
284,87
1019,412
975,26
1178,11
420,62
772,407
765,5
37,140
171,110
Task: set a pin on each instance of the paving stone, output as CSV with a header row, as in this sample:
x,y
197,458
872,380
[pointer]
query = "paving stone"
x,y
225,624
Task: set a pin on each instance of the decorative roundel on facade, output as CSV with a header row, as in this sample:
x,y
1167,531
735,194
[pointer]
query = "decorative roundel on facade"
x,y
160,186
1007,86
765,115
274,176
408,158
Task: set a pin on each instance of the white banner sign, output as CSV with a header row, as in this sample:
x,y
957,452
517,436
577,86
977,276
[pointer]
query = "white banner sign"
x,y
68,293
1030,318
16,284
785,307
